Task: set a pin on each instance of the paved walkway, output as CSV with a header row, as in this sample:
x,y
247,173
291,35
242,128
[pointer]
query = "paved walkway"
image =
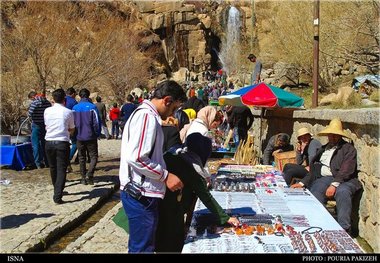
x,y
104,237
30,218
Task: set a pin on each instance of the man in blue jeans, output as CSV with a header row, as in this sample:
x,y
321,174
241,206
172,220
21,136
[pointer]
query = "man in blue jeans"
x,y
143,175
71,93
36,113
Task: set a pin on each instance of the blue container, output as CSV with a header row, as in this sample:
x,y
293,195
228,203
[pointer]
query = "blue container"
x,y
5,140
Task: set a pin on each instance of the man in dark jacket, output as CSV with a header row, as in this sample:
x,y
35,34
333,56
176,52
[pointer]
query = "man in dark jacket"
x,y
87,123
71,93
240,120
126,111
334,172
103,116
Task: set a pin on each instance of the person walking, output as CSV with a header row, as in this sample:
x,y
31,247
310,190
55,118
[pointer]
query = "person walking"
x,y
71,93
36,113
114,117
87,123
59,123
256,74
103,116
126,111
143,174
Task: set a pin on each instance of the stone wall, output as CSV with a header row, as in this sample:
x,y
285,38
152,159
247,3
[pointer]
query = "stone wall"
x,y
362,125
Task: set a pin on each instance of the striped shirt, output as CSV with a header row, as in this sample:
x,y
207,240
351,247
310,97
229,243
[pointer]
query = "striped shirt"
x,y
37,109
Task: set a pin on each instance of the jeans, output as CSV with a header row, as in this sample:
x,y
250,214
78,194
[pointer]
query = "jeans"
x,y
115,128
105,130
38,145
236,137
58,156
92,148
143,218
239,135
73,148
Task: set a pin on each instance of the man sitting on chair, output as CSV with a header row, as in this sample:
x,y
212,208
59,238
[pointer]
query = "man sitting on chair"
x,y
334,172
306,149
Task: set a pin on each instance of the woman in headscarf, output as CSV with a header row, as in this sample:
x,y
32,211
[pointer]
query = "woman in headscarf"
x,y
208,118
171,133
189,166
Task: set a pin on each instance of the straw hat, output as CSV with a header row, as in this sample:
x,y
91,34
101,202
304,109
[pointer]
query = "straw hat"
x,y
303,131
335,127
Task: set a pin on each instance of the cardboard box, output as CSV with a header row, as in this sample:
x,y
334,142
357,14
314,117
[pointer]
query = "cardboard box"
x,y
283,158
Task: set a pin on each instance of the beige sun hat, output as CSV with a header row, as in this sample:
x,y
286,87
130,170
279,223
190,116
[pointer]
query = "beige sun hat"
x,y
335,127
303,131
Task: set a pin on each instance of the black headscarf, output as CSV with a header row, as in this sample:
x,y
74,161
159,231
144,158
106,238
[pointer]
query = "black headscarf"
x,y
199,144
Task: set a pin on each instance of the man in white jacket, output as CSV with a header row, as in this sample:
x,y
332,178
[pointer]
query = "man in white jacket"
x,y
143,175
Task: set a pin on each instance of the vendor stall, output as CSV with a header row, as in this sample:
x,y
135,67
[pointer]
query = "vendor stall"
x,y
273,217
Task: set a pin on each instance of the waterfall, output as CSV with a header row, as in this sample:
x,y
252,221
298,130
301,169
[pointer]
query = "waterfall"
x,y
230,51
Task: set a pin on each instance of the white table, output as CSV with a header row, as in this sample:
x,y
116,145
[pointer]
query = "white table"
x,y
297,207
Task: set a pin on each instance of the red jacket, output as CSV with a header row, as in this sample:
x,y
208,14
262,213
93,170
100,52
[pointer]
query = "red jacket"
x,y
114,114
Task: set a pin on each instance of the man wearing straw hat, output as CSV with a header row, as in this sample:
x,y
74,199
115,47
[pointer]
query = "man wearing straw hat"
x,y
306,149
334,172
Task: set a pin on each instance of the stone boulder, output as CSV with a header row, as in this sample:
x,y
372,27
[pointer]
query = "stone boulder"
x,y
180,75
285,74
341,96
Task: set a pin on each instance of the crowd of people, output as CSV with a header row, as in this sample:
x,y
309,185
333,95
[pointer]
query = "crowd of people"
x,y
166,140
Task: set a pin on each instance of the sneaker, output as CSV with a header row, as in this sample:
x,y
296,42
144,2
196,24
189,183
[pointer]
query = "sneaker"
x,y
83,181
69,169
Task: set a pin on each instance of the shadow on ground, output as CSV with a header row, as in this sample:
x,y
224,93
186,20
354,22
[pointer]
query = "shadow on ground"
x,y
14,221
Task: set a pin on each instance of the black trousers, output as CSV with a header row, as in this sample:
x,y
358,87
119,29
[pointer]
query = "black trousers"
x,y
292,170
58,157
92,148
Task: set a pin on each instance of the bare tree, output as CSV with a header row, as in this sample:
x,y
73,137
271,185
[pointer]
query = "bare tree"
x,y
130,67
348,31
46,45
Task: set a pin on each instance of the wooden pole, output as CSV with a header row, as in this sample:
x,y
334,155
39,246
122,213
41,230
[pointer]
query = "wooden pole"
x,y
261,134
315,54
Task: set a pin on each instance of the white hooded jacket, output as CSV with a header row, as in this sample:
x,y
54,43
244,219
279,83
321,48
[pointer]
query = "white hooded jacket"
x,y
141,150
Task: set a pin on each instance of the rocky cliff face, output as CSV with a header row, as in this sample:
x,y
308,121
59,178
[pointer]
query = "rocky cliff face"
x,y
191,31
